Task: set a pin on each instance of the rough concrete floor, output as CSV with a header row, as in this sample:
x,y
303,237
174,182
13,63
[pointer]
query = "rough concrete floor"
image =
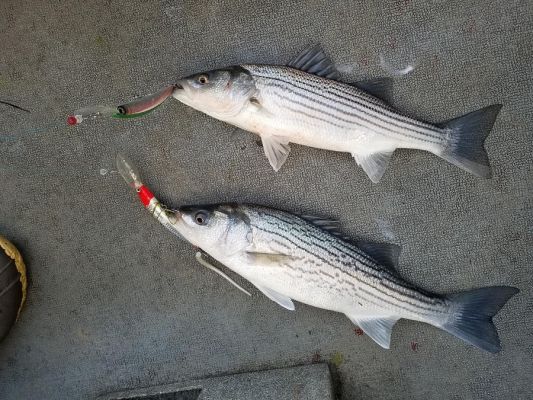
x,y
117,302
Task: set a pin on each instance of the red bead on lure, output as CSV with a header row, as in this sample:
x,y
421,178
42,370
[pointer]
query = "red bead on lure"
x,y
132,178
134,109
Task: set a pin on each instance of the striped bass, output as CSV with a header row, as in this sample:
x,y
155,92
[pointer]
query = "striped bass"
x,y
304,103
290,257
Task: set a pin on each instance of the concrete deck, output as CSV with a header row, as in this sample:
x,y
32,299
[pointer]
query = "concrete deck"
x,y
117,302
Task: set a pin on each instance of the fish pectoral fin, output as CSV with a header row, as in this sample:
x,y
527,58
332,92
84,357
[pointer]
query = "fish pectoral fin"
x,y
386,254
380,88
276,149
379,329
374,164
268,259
200,257
279,298
314,60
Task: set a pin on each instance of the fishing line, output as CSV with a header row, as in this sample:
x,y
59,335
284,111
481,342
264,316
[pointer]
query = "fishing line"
x,y
14,106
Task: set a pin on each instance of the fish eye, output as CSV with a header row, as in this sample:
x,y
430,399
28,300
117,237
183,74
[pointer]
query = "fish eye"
x,y
201,218
202,79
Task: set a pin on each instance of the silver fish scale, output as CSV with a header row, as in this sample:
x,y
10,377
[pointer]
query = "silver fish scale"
x,y
326,261
339,105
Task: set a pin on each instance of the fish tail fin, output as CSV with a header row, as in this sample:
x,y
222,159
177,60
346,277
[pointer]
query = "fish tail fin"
x,y
471,313
467,134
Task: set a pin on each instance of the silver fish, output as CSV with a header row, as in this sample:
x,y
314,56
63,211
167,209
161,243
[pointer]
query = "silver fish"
x,y
304,103
290,257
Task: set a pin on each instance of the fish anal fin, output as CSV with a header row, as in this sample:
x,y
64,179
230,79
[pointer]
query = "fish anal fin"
x,y
276,149
314,60
379,329
374,164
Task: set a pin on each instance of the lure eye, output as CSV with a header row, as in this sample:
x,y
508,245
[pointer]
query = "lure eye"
x,y
202,79
200,218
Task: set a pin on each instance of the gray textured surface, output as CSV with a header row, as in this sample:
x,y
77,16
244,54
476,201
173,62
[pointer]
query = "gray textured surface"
x,y
117,302
308,382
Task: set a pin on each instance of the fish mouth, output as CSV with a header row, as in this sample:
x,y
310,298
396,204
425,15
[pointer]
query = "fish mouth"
x,y
179,91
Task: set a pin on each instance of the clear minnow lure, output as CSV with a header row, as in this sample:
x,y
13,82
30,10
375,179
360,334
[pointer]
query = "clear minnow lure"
x,y
136,108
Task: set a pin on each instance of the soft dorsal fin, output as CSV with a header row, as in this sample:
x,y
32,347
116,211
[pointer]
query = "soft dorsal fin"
x,y
314,61
378,87
385,254
379,329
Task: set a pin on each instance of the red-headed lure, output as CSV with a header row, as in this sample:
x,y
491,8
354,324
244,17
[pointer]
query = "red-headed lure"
x,y
166,217
158,210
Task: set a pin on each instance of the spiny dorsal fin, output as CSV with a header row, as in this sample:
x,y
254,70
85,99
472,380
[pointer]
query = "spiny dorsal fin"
x,y
314,61
330,225
385,254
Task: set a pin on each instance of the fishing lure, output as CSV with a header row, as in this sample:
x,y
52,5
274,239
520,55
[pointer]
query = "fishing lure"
x,y
161,213
134,109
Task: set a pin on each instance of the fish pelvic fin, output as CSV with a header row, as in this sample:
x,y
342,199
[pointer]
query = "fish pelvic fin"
x,y
470,318
466,143
276,149
281,299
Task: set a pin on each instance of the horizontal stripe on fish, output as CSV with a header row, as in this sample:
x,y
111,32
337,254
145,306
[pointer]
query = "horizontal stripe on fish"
x,y
266,72
382,125
360,121
399,289
409,301
299,229
339,89
356,96
296,224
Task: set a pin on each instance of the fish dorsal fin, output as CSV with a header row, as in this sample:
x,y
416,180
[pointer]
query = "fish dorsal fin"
x,y
379,329
331,226
279,298
374,164
327,224
378,87
313,60
276,149
385,254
